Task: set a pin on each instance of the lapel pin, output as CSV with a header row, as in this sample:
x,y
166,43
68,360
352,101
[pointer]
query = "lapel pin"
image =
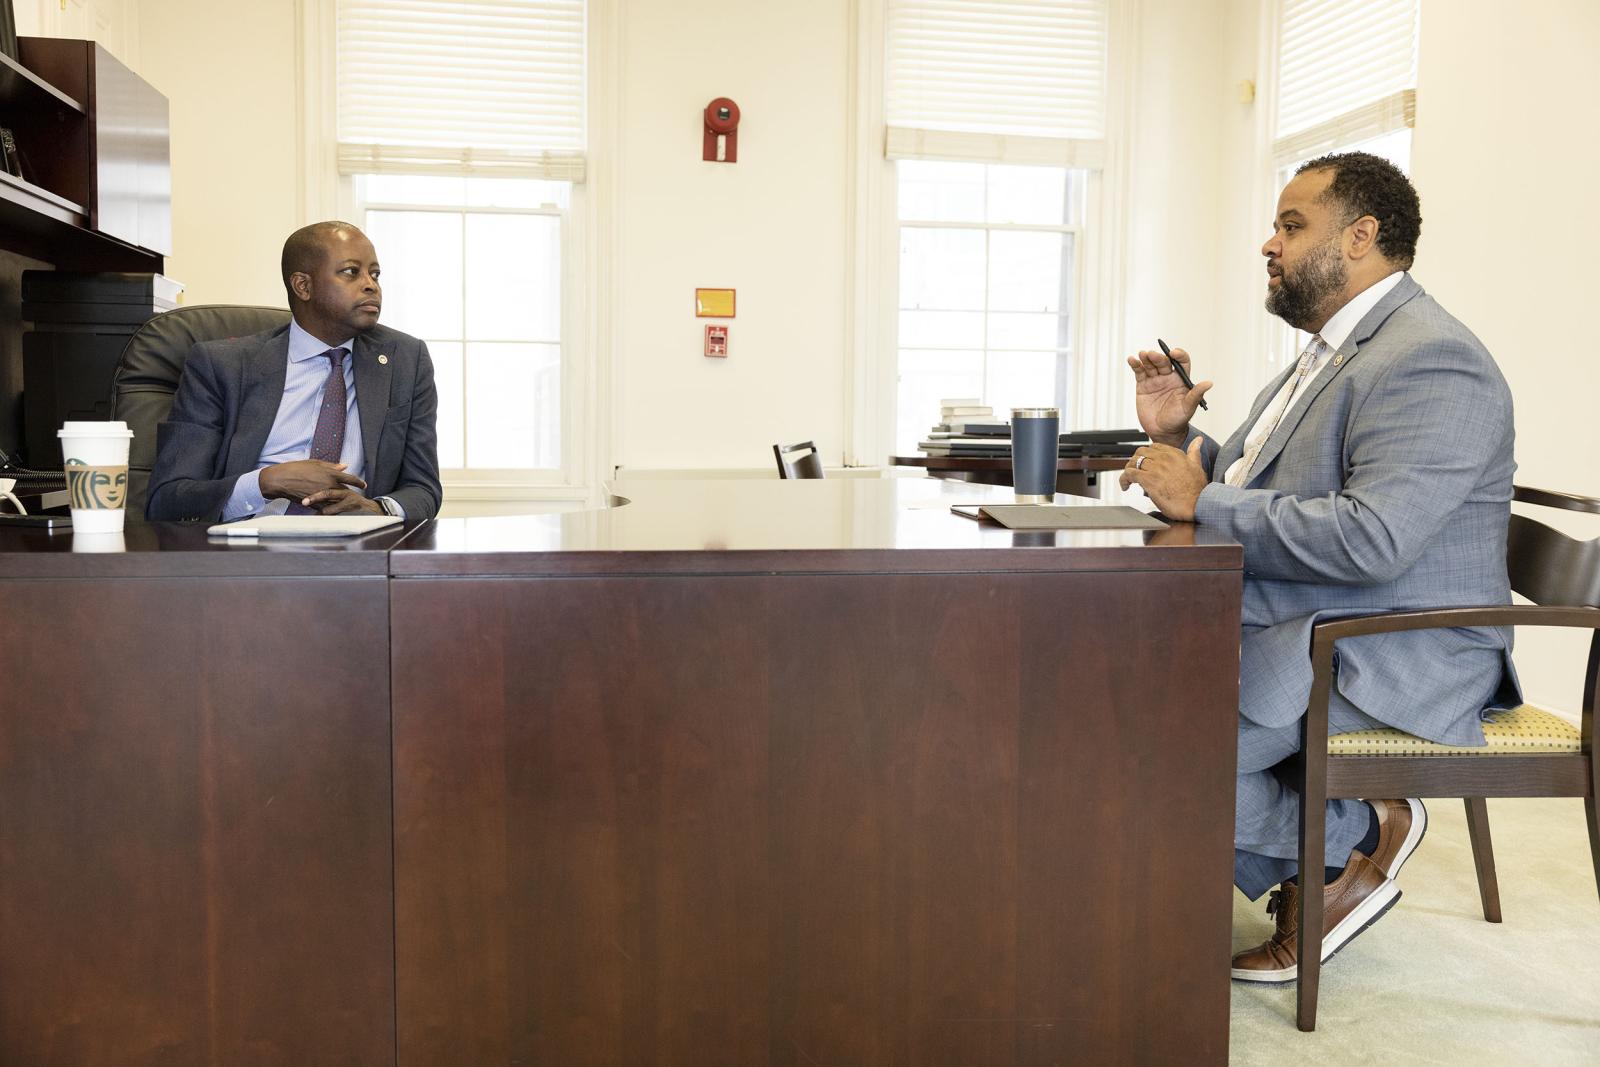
x,y
1337,360
383,359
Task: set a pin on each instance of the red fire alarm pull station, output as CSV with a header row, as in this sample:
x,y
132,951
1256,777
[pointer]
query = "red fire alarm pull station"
x,y
721,141
717,341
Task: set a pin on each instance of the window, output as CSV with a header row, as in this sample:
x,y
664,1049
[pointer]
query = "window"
x,y
461,130
1334,99
986,281
995,114
473,267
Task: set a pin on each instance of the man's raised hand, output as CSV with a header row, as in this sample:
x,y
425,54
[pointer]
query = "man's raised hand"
x,y
1164,405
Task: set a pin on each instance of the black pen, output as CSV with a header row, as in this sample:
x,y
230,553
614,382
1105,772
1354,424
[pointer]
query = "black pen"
x,y
1183,375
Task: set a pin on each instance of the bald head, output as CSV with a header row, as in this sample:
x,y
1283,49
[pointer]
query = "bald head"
x,y
308,248
330,271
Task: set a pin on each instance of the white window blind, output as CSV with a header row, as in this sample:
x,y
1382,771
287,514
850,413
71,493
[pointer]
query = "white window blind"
x,y
485,87
996,81
1347,73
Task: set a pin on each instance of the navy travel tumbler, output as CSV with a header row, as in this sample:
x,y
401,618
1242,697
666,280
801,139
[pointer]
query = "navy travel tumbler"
x,y
1033,453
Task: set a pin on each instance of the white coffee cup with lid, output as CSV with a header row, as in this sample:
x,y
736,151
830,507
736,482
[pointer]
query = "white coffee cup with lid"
x,y
96,458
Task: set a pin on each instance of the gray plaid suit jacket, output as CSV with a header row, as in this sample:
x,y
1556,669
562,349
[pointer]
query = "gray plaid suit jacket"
x,y
1386,487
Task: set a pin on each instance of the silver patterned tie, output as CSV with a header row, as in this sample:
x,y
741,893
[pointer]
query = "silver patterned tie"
x,y
1285,399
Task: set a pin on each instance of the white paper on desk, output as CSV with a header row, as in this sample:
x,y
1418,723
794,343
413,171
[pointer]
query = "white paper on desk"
x,y
303,526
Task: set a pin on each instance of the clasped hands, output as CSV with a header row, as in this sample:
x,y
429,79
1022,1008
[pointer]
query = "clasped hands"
x,y
1169,476
317,484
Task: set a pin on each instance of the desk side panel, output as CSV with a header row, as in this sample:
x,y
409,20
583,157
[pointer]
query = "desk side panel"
x,y
856,819
195,849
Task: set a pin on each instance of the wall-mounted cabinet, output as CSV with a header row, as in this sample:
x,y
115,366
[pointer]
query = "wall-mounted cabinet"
x,y
93,141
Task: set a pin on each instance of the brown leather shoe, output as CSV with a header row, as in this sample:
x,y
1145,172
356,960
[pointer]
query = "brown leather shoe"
x,y
1401,824
1355,901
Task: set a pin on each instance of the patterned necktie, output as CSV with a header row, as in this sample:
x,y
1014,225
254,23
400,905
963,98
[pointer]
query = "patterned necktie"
x,y
1285,399
327,441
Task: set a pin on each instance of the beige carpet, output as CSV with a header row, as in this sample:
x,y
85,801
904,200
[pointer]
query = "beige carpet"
x,y
1431,982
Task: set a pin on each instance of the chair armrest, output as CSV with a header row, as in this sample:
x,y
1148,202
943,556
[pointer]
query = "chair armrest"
x,y
1326,633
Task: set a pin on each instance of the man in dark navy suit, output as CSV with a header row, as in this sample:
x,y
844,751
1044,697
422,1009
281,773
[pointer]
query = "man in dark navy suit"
x,y
331,413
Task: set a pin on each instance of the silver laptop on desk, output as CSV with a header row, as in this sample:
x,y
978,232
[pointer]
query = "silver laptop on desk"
x,y
304,526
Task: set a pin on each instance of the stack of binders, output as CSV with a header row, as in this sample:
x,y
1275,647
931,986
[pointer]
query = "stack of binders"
x,y
992,440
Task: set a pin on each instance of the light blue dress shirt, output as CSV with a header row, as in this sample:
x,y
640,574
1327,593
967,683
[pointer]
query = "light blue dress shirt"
x,y
296,422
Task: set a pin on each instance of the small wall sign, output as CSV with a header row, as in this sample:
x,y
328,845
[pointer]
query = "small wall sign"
x,y
713,304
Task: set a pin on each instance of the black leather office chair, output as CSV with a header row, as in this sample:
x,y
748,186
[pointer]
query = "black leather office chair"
x,y
152,361
807,466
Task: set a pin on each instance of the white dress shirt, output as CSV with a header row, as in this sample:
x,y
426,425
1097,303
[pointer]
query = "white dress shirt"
x,y
1335,332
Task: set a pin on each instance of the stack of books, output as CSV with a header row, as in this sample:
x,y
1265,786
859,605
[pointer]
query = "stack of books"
x,y
967,427
965,417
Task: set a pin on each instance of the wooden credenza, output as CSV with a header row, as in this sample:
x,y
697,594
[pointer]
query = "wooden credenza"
x,y
97,191
740,772
94,140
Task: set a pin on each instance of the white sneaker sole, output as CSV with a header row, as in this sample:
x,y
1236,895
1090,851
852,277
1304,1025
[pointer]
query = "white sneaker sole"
x,y
1366,913
1419,826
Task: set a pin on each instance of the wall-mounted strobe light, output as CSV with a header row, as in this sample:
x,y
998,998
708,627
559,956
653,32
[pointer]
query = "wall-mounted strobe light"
x,y
721,141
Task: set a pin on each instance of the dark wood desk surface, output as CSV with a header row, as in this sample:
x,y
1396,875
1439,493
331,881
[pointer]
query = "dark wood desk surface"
x,y
986,463
845,525
751,772
184,550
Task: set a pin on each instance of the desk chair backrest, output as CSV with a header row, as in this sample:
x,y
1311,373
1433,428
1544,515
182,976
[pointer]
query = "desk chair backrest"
x,y
807,466
151,363
1547,566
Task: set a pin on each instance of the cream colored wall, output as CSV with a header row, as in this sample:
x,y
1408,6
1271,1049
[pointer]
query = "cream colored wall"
x,y
113,23
773,226
228,69
1174,240
1241,205
1504,159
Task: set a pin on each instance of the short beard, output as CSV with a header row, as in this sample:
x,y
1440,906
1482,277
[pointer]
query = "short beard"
x,y
1315,282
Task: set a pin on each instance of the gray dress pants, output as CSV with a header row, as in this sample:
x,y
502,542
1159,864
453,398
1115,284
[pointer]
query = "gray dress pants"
x,y
1266,821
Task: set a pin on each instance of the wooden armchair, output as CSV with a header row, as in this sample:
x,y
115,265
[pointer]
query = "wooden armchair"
x,y
807,466
1531,753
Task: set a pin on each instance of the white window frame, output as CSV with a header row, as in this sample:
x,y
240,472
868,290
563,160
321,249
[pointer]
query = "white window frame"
x,y
487,476
587,252
1073,310
1099,394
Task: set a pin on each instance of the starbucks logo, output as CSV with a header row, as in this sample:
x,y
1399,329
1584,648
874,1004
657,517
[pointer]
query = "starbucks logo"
x,y
96,487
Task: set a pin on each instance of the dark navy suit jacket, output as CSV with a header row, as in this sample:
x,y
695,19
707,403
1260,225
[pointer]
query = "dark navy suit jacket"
x,y
228,398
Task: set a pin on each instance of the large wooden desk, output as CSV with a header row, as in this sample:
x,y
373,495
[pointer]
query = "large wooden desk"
x,y
1080,476
741,772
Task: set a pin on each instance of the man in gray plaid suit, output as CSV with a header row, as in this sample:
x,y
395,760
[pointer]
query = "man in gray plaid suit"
x,y
1374,475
